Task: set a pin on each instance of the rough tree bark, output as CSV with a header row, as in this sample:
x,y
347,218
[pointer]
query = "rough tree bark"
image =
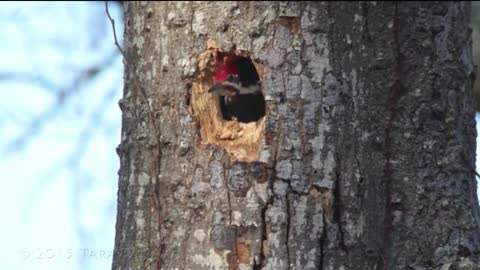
x,y
364,160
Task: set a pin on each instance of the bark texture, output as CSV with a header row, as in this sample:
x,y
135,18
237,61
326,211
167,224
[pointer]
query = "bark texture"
x,y
365,159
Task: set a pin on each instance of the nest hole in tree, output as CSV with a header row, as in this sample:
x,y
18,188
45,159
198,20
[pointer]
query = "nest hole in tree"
x,y
237,125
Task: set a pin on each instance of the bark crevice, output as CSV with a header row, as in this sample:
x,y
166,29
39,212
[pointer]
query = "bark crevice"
x,y
233,256
337,213
287,197
396,93
264,238
322,239
366,30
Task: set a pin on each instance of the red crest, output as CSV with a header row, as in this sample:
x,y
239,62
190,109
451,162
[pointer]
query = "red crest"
x,y
223,71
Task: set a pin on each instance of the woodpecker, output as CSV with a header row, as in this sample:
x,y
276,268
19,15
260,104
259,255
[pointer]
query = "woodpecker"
x,y
237,83
234,79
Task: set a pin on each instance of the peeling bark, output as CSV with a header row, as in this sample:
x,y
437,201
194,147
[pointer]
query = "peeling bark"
x,y
364,159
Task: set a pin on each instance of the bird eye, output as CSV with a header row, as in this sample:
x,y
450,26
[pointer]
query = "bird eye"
x,y
233,79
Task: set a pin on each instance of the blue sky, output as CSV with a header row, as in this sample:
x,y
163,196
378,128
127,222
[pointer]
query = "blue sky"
x,y
59,127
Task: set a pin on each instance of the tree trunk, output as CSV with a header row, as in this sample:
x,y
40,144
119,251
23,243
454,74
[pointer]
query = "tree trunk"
x,y
364,159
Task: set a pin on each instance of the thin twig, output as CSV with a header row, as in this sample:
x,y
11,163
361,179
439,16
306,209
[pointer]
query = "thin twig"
x,y
112,22
135,77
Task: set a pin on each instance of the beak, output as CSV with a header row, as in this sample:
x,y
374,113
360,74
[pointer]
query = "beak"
x,y
222,90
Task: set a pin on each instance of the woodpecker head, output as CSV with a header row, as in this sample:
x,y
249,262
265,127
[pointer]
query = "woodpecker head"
x,y
237,83
226,81
230,80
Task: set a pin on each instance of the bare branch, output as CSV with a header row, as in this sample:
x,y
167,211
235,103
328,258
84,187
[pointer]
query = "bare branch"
x,y
23,77
64,94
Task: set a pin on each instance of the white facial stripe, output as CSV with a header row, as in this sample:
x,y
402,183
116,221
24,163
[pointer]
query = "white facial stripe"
x,y
234,85
243,90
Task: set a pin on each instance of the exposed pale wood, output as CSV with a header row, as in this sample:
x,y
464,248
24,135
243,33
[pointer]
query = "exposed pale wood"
x,y
241,140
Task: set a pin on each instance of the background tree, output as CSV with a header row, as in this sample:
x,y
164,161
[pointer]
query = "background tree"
x,y
364,159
